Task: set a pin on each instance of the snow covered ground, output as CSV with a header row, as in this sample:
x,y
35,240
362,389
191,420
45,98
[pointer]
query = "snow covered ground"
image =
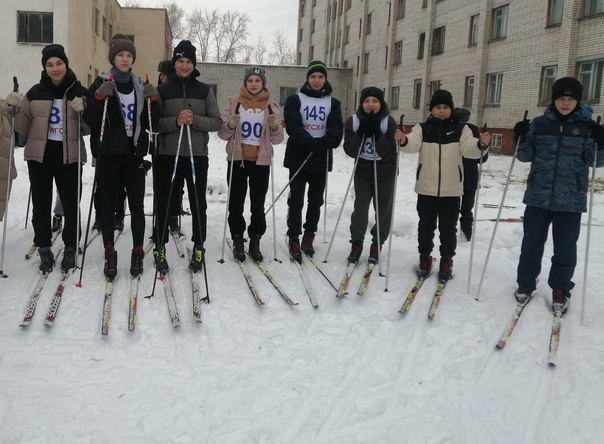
x,y
353,370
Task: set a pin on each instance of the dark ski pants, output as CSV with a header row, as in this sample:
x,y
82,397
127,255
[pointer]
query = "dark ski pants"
x,y
258,176
295,202
467,205
114,173
120,208
565,233
443,210
163,168
364,195
41,176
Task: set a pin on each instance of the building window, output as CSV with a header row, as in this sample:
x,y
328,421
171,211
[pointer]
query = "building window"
x,y
358,64
345,64
348,4
424,4
590,76
104,29
34,27
386,58
494,82
593,7
554,14
285,92
473,37
389,12
340,8
301,34
420,45
97,21
366,63
548,77
314,2
334,11
500,22
312,26
368,24
302,8
434,86
398,53
394,97
469,91
400,9
360,27
328,14
347,34
496,141
417,93
438,40
312,52
110,33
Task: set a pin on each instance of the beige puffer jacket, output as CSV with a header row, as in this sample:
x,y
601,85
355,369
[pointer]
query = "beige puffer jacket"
x,y
5,149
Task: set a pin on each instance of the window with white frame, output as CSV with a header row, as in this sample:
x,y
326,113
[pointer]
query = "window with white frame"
x,y
394,97
366,63
347,34
400,9
438,40
434,86
34,27
548,77
593,7
417,93
496,141
473,37
469,91
555,8
590,76
285,92
398,53
494,83
368,24
500,22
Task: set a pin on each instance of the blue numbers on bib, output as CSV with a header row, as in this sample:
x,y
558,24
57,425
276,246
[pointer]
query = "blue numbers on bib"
x,y
247,129
129,115
55,115
311,112
368,147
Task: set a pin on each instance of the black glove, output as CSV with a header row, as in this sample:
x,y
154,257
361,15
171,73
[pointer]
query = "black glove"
x,y
365,127
317,144
522,128
147,165
597,133
376,125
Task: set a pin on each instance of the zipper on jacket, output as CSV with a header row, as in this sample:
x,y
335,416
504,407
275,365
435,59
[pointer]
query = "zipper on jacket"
x,y
440,158
556,163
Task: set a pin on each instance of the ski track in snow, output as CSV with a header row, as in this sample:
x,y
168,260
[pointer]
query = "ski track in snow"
x,y
354,370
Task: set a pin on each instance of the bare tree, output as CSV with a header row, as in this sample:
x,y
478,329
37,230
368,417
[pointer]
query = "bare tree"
x,y
201,25
133,4
283,52
233,37
247,51
260,50
176,16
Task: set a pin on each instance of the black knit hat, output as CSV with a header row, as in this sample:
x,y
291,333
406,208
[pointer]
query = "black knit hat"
x,y
54,50
462,114
255,70
316,66
184,49
441,97
119,43
567,87
165,67
372,91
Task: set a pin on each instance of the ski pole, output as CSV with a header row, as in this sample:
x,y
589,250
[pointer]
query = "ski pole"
x,y
398,150
289,183
79,186
270,111
484,130
325,196
356,161
8,181
226,210
505,191
27,210
591,206
376,202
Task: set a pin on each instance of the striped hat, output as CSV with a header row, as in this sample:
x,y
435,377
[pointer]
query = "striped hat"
x,y
316,66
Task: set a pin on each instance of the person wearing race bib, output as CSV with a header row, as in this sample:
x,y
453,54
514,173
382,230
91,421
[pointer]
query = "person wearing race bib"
x,y
251,125
441,142
119,158
371,134
313,120
49,116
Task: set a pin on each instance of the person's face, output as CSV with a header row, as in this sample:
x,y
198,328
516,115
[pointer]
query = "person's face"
x,y
56,70
441,111
183,67
371,105
254,84
123,61
163,78
316,81
565,105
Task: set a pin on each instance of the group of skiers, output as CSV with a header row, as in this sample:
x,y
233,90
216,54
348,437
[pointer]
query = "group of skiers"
x,y
128,118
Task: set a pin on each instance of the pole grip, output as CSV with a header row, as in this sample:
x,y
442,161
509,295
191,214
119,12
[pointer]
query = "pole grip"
x,y
400,122
15,84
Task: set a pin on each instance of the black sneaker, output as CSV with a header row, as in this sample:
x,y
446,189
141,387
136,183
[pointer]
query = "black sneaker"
x,y
294,249
47,260
522,296
306,245
57,223
173,224
196,259
446,269
110,269
425,265
255,249
560,301
466,230
69,259
374,253
119,225
96,226
161,263
238,248
136,261
355,253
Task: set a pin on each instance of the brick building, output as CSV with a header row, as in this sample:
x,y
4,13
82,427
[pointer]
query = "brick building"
x,y
497,57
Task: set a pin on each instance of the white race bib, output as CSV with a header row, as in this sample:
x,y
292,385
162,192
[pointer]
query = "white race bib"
x,y
251,126
55,122
128,104
368,150
314,112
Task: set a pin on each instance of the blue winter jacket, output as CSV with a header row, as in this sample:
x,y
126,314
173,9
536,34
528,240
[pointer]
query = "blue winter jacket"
x,y
561,153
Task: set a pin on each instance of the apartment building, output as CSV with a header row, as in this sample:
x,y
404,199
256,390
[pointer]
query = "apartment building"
x,y
84,28
498,57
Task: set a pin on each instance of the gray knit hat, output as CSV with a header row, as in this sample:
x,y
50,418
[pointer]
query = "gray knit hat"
x,y
255,70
